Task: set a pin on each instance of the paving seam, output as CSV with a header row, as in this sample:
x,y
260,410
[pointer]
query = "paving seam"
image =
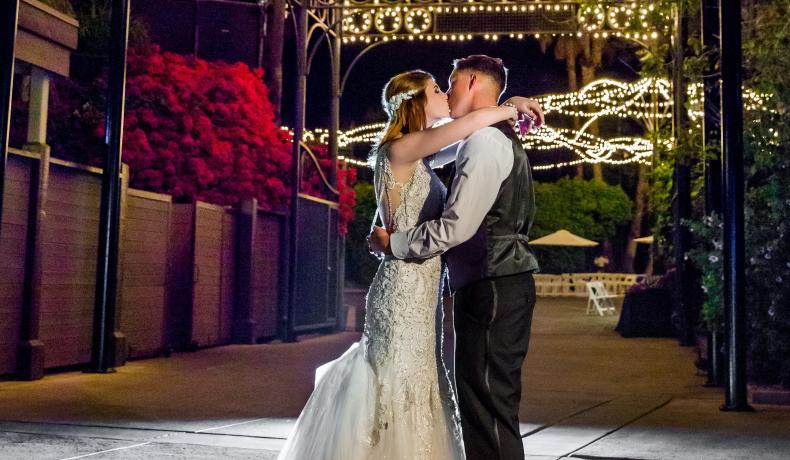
x,y
153,440
571,454
167,432
549,425
593,457
141,444
232,424
106,451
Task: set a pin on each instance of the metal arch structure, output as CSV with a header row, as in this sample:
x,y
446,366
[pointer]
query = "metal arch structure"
x,y
372,20
372,23
313,26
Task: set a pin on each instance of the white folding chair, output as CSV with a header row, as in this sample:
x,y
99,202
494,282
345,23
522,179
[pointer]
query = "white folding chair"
x,y
598,299
612,283
567,285
554,286
577,285
541,282
547,285
628,281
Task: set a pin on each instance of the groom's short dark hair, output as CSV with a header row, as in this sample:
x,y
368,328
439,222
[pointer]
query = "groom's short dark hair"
x,y
491,66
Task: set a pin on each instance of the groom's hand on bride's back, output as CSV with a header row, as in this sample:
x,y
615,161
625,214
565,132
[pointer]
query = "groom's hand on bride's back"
x,y
379,242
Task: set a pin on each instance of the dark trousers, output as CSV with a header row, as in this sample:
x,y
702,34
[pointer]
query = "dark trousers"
x,y
493,318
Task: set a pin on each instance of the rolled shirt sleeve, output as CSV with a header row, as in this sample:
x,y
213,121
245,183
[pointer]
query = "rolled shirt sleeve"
x,y
484,161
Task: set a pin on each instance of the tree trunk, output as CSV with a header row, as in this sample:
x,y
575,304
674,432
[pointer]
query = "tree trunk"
x,y
273,60
568,47
569,51
640,200
591,60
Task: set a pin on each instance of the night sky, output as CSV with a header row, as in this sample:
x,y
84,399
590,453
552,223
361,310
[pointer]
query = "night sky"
x,y
531,72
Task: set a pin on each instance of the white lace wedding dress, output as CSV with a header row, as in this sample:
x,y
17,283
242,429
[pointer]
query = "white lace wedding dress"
x,y
388,396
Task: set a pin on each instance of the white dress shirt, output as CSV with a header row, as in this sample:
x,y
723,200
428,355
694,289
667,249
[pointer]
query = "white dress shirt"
x,y
484,160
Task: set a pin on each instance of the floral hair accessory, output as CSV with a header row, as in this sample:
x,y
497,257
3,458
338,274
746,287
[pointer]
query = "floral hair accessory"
x,y
395,101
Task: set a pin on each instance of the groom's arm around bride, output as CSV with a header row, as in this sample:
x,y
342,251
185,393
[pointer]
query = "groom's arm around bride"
x,y
484,234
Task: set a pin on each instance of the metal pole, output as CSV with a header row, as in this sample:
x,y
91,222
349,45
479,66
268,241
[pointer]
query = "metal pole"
x,y
103,351
709,12
9,12
334,106
712,96
300,101
681,208
334,126
275,33
733,177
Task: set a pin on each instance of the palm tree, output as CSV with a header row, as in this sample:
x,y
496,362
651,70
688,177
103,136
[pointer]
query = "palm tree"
x,y
585,53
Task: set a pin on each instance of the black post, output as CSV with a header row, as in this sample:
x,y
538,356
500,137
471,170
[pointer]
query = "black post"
x,y
9,12
711,134
681,206
334,126
733,177
715,357
334,105
300,101
244,318
103,352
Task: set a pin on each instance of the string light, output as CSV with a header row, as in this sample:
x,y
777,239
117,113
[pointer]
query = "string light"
x,y
589,148
591,18
388,20
352,161
416,21
647,98
752,100
620,17
358,21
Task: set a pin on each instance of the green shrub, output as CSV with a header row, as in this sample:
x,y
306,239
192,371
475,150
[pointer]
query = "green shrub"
x,y
588,208
360,264
767,159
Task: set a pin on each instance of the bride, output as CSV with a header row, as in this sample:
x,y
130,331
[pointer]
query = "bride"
x,y
389,396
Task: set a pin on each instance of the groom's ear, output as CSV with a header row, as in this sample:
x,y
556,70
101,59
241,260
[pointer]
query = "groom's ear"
x,y
472,80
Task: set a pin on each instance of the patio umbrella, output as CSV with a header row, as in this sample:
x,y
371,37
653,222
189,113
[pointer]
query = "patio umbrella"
x,y
563,238
644,239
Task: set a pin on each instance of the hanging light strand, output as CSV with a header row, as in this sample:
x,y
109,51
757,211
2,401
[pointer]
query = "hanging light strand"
x,y
647,98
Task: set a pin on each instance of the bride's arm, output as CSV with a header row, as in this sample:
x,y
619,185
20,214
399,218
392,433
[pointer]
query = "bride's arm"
x,y
420,144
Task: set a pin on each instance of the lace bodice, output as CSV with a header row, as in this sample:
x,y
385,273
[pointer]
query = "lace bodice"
x,y
403,322
404,205
389,396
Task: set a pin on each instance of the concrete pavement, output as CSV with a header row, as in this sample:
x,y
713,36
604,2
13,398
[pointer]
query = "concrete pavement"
x,y
588,393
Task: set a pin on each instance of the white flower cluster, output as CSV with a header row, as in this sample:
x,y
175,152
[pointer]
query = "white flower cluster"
x,y
395,101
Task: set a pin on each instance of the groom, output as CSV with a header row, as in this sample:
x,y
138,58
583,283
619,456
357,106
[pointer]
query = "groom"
x,y
484,232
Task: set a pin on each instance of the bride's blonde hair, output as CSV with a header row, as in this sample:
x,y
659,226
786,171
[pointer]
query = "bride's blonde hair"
x,y
409,115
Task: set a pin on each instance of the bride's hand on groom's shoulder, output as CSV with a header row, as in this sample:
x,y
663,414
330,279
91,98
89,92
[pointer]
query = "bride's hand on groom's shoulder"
x,y
530,107
379,242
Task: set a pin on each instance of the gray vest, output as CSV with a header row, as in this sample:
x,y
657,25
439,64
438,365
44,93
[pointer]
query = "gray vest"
x,y
500,246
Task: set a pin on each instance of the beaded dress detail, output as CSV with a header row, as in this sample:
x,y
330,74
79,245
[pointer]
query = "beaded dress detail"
x,y
389,396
